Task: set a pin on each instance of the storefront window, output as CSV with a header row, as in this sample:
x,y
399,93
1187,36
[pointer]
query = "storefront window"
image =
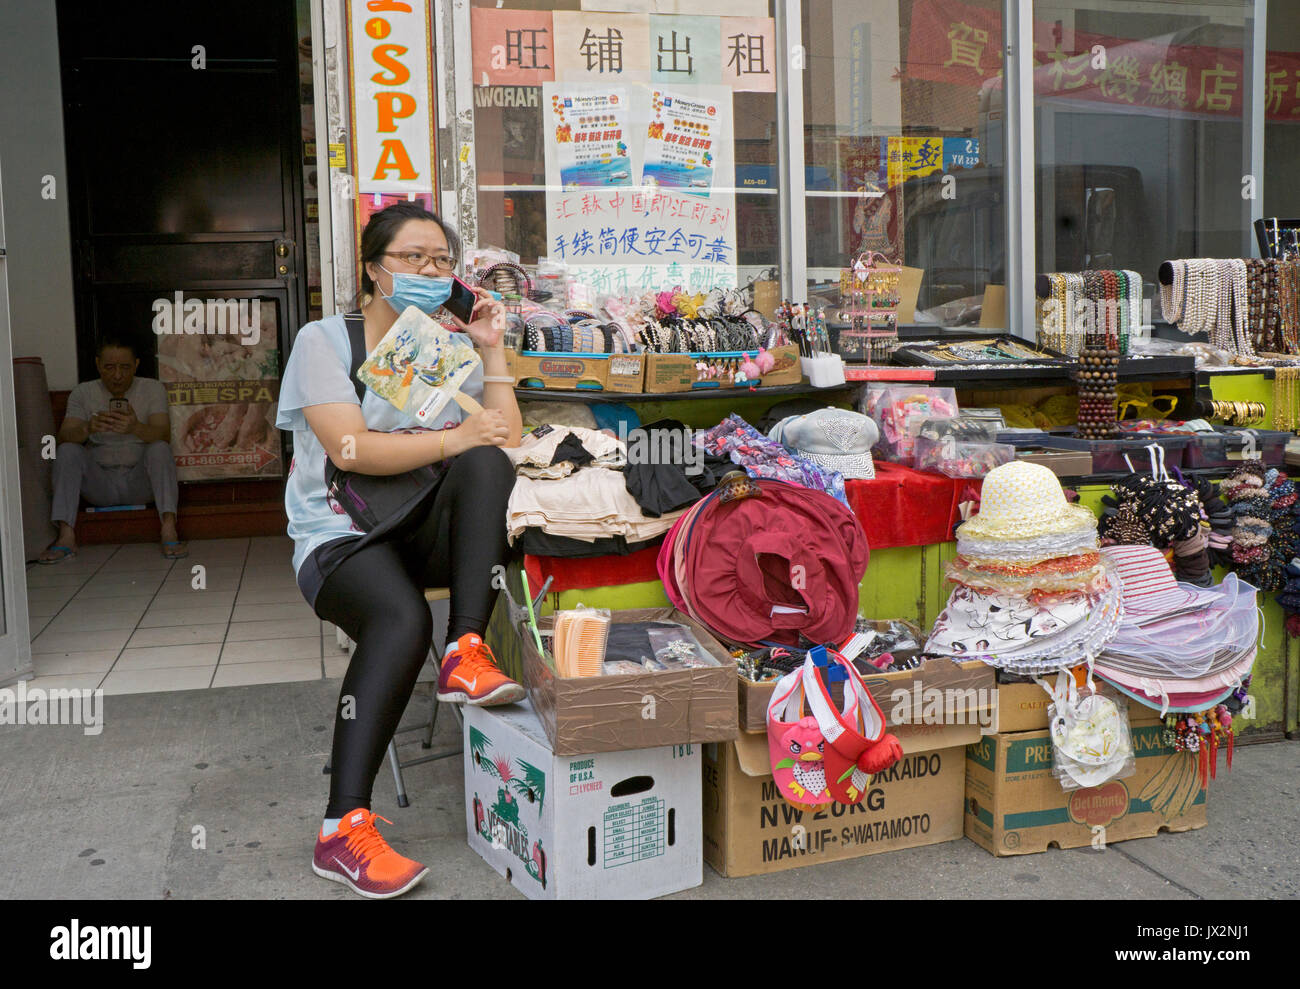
x,y
1139,138
577,112
1282,113
903,148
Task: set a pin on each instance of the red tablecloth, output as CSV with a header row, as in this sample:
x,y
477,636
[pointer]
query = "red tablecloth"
x,y
900,507
905,507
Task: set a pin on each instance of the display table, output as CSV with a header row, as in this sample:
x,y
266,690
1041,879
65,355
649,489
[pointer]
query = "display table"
x,y
908,517
899,507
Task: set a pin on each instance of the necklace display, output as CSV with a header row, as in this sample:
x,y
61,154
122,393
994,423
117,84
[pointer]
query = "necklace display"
x,y
1098,373
1245,306
1286,398
1077,301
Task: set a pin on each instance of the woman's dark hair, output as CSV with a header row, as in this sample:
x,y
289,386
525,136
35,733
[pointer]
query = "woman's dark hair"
x,y
382,228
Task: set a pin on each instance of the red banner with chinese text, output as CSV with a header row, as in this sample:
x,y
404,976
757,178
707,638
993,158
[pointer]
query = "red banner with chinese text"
x,y
951,41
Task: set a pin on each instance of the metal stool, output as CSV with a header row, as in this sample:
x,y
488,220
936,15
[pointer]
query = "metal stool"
x,y
434,659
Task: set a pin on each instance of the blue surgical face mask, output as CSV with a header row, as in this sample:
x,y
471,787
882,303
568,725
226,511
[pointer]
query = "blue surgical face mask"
x,y
425,292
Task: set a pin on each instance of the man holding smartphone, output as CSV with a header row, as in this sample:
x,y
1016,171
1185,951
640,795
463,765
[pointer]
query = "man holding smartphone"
x,y
115,449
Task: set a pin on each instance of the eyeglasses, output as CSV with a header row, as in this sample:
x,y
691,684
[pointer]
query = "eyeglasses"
x,y
443,262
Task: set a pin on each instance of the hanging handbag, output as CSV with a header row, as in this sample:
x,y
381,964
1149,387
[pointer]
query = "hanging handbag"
x,y
377,503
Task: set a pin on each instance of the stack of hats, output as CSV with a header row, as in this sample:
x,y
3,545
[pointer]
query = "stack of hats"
x,y
1180,648
1033,592
836,439
762,561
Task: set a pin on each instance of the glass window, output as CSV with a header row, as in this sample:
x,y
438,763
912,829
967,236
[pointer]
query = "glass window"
x,y
1139,138
522,46
903,147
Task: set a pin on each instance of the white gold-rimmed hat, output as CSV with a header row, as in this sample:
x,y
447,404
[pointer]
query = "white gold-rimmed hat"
x,y
1024,501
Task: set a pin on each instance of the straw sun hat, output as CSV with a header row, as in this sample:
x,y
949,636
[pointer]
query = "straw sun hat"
x,y
1024,501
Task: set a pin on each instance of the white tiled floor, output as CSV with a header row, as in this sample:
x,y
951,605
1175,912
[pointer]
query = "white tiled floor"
x,y
127,620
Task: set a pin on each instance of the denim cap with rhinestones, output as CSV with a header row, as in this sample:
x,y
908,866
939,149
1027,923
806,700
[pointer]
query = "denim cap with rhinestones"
x,y
836,439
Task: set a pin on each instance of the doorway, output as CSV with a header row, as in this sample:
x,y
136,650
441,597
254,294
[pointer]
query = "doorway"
x,y
185,144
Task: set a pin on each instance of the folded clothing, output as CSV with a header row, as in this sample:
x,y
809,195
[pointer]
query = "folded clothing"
x,y
765,458
669,482
539,542
588,504
539,448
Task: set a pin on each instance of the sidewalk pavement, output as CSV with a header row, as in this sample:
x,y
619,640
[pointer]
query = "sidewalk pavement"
x,y
113,815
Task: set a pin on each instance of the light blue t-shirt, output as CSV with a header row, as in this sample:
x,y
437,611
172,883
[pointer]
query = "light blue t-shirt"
x,y
317,374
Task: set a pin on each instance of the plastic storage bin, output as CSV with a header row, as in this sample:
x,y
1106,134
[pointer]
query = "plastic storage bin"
x,y
961,459
1108,455
1225,447
900,411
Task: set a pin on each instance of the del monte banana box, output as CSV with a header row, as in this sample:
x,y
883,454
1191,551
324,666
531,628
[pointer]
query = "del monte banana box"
x,y
1015,806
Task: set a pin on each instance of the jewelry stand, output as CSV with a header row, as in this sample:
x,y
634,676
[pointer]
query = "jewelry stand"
x,y
871,276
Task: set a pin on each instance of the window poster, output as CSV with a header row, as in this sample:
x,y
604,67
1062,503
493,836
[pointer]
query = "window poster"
x,y
220,362
589,131
679,142
672,219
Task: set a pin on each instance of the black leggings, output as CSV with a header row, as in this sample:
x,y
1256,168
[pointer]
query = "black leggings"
x,y
377,597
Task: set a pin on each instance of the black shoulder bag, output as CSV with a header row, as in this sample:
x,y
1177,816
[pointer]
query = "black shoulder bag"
x,y
377,503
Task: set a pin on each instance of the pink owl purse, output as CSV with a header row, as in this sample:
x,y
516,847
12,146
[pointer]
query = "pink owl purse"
x,y
795,742
827,755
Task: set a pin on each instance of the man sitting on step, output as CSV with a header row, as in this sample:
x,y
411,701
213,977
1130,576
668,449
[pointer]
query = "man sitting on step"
x,y
115,449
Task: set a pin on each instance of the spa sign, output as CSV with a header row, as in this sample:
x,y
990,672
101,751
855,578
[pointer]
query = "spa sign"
x,y
393,131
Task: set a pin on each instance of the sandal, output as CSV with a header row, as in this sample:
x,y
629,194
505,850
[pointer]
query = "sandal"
x,y
175,554
65,553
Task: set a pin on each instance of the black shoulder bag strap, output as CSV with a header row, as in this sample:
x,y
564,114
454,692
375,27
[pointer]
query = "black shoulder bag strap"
x,y
356,324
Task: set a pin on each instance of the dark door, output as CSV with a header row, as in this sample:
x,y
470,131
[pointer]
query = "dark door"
x,y
183,133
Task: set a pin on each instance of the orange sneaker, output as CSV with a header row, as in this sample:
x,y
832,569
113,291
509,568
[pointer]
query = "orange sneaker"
x,y
357,856
470,676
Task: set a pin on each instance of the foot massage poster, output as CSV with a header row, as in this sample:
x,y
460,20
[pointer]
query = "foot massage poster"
x,y
219,360
658,207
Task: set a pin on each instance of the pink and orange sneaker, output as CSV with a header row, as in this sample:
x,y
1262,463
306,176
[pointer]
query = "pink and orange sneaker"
x,y
357,856
470,676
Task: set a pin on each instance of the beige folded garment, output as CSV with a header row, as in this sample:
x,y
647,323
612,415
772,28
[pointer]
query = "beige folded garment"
x,y
589,503
536,452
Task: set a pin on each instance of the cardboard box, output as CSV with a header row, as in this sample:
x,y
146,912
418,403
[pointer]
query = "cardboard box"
x,y
676,372
964,691
634,711
750,829
610,825
1062,463
1023,707
575,372
1015,806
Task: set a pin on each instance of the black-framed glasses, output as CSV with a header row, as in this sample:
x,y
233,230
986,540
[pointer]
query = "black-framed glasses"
x,y
417,259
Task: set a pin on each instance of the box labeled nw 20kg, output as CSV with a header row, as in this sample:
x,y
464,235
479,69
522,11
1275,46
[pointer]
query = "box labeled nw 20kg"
x,y
750,829
1015,806
607,825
